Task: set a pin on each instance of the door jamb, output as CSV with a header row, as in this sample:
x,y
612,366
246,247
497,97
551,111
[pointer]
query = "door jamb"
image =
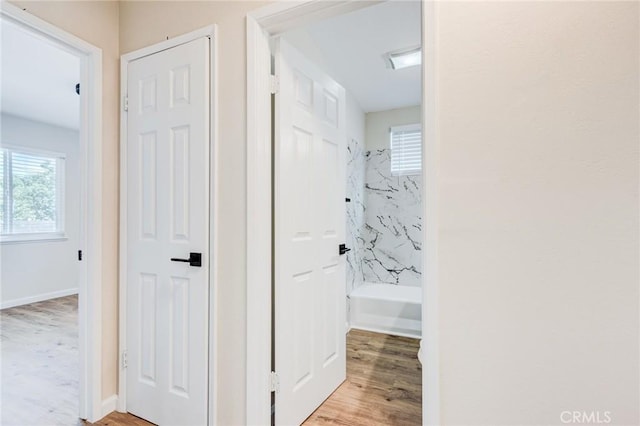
x,y
211,32
262,24
90,144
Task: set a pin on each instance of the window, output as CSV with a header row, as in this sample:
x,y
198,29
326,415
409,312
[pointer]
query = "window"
x,y
406,150
32,194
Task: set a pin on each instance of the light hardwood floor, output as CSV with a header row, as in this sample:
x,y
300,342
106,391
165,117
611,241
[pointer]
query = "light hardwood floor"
x,y
120,419
40,363
383,386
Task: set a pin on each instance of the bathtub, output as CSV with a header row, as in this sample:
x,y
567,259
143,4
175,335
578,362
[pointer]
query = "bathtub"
x,y
386,308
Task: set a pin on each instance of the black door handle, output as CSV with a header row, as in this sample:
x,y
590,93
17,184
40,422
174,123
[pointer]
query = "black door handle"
x,y
342,249
195,259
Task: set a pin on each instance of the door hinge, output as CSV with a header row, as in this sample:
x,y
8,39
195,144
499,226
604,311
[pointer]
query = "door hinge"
x,y
125,102
274,382
124,360
80,255
275,84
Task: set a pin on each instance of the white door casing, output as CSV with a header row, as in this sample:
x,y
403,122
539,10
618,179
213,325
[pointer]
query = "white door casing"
x,y
271,20
168,217
90,143
309,208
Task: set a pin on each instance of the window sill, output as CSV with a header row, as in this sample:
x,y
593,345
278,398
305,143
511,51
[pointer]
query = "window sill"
x,y
33,238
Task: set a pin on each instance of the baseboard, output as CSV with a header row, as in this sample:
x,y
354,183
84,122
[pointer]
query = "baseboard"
x,y
383,330
38,298
109,405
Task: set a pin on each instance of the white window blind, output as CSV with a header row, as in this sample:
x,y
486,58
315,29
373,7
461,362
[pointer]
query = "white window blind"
x,y
406,150
32,192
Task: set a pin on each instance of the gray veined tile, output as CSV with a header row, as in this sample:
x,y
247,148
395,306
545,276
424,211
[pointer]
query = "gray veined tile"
x,y
384,221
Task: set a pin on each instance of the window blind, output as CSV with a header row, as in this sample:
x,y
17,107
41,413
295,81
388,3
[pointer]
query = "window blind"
x,y
31,201
406,150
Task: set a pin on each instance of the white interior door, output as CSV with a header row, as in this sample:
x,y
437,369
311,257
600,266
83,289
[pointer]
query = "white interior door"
x,y
310,280
168,218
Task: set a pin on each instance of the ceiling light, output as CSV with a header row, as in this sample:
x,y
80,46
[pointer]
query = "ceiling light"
x,y
405,58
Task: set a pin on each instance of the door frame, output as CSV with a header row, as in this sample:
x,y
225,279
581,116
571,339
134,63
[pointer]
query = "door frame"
x,y
90,145
211,32
262,24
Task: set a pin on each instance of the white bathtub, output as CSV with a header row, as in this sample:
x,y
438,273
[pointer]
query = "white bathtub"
x,y
386,308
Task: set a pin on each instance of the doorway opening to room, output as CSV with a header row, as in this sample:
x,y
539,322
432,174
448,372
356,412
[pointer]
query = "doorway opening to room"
x,y
347,218
49,223
347,214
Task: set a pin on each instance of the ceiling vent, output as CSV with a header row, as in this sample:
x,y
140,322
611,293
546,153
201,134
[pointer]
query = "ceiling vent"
x,y
404,58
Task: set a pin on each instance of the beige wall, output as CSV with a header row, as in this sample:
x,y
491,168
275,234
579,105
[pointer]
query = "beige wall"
x,y
97,23
538,256
378,123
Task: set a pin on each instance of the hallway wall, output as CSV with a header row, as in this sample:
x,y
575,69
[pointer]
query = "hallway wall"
x,y
538,207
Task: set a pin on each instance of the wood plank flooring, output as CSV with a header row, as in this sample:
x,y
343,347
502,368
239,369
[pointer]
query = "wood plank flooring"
x,y
383,386
120,419
40,363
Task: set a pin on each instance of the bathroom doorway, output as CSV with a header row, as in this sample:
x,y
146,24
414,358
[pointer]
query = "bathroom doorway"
x,y
373,55
262,24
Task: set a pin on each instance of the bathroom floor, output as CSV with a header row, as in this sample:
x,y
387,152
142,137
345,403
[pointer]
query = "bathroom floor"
x,y
383,386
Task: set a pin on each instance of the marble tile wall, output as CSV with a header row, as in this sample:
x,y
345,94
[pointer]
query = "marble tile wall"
x,y
356,165
392,231
384,221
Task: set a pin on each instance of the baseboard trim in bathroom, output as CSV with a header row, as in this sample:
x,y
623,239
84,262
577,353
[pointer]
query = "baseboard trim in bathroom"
x,y
384,331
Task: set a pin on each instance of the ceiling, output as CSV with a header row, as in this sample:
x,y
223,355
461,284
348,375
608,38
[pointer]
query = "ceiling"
x,y
351,48
38,79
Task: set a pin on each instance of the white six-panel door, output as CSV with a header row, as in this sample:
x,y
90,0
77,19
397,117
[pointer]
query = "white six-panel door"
x,y
168,217
310,212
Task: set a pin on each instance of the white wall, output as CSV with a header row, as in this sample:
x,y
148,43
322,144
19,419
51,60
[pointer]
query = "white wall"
x,y
538,119
300,39
355,120
32,270
378,124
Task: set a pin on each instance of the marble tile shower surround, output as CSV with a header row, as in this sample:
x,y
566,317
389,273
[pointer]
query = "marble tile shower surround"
x,y
355,213
390,239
